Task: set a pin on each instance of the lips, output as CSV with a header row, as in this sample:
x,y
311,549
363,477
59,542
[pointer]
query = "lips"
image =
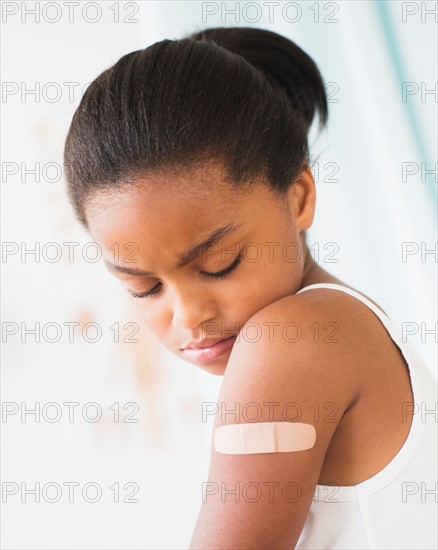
x,y
204,343
210,351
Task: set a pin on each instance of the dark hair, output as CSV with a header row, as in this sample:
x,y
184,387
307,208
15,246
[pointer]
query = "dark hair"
x,y
243,96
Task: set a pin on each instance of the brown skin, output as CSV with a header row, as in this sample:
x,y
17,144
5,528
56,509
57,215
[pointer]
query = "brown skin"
x,y
164,219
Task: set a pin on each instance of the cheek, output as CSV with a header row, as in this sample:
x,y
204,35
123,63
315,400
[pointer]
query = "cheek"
x,y
269,279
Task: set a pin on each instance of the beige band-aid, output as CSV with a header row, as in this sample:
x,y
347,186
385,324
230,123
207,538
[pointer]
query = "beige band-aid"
x,y
264,437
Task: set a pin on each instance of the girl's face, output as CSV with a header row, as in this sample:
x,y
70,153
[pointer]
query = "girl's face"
x,y
201,257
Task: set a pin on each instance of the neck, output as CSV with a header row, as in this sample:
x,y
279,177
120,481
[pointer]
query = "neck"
x,y
313,273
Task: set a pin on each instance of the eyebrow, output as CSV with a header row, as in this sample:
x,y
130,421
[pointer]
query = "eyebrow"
x,y
184,258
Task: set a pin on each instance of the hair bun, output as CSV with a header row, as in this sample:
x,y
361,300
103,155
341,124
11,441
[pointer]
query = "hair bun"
x,y
283,63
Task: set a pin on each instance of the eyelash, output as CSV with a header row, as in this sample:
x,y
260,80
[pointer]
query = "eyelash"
x,y
218,275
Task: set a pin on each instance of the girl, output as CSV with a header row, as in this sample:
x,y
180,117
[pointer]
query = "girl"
x,y
192,155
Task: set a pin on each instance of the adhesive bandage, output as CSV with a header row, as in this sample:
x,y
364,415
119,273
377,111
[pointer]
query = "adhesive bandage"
x,y
264,437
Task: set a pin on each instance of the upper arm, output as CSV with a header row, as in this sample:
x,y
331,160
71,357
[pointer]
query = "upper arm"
x,y
281,374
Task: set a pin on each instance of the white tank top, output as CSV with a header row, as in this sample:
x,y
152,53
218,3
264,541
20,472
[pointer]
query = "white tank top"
x,y
397,507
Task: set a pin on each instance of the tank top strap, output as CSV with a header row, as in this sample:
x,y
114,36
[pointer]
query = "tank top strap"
x,y
386,321
406,348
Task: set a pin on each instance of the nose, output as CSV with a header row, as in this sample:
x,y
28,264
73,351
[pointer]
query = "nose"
x,y
191,310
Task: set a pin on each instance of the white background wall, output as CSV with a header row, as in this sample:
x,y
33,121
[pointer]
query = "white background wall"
x,y
368,212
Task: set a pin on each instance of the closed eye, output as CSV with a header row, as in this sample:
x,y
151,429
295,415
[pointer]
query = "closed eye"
x,y
218,275
222,274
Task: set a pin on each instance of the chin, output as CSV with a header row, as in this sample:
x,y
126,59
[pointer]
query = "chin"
x,y
217,371
214,367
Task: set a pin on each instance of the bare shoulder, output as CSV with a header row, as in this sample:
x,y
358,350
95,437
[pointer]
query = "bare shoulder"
x,y
326,338
328,343
314,345
327,316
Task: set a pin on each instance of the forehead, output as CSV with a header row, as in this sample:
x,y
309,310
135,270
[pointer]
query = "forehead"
x,y
169,211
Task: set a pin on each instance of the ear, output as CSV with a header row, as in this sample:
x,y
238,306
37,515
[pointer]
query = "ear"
x,y
302,199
